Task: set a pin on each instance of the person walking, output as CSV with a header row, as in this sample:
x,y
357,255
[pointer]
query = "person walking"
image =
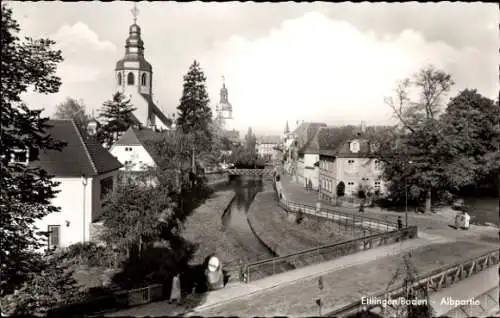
x,y
400,223
175,293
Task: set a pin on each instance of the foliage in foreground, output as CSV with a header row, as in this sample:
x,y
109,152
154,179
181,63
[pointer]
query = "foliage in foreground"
x,y
26,191
46,289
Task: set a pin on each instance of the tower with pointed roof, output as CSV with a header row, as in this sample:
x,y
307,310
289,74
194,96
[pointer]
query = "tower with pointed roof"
x,y
134,78
224,109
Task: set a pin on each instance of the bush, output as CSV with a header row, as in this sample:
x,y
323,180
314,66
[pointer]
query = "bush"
x,y
50,287
92,255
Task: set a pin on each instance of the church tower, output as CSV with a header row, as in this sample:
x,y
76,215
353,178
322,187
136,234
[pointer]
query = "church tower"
x,y
134,78
224,109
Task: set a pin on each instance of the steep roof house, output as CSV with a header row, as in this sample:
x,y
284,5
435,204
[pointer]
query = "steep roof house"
x,y
86,172
347,155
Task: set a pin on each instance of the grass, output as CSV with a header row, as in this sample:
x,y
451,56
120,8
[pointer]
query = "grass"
x,y
344,286
281,233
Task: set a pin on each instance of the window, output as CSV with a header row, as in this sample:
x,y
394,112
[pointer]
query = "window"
x,y
130,78
354,146
143,79
19,156
106,186
377,164
54,236
350,188
119,78
377,185
128,148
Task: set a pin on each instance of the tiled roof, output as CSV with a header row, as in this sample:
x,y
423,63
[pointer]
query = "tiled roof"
x,y
156,111
269,140
79,156
305,134
334,141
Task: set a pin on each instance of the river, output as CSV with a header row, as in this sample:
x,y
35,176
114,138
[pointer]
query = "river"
x,y
235,218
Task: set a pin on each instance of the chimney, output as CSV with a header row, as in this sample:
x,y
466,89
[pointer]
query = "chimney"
x,y
363,127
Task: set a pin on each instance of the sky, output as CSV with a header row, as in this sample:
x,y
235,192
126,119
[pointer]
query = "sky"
x,y
322,62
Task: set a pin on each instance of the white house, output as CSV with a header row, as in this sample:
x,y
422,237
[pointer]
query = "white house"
x,y
266,147
86,172
134,151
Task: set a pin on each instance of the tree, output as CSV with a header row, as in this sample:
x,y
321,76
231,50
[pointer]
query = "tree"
x,y
133,216
75,110
26,191
195,114
420,135
471,136
174,149
250,141
117,114
49,288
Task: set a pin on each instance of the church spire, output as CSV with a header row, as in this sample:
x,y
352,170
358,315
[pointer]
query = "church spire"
x,y
134,43
135,12
287,130
223,93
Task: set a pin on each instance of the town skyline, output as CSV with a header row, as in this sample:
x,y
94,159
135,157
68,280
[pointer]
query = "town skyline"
x,y
274,69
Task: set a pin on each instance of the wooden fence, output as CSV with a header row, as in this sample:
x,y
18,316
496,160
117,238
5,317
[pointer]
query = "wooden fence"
x,y
432,282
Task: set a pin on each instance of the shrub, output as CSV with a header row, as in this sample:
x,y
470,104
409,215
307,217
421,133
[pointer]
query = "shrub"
x,y
92,255
50,287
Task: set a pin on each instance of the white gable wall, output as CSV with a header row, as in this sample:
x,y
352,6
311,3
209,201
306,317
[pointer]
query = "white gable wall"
x,y
75,202
138,157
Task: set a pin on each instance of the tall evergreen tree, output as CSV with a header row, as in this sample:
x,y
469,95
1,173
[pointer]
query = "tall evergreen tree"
x,y
250,142
26,191
195,114
117,114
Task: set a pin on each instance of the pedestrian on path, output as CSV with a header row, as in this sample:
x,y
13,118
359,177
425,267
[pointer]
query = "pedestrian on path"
x,y
175,293
400,223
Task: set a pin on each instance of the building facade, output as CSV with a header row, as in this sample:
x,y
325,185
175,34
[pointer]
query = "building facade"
x,y
347,157
86,173
134,79
267,147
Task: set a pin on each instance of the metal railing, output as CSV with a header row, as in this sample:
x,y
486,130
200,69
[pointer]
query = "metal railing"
x,y
348,219
440,278
276,265
144,295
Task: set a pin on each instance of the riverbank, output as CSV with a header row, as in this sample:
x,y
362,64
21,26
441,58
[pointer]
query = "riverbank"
x,y
279,230
204,228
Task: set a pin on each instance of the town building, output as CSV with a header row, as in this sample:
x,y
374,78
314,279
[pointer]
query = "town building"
x,y
135,149
302,158
267,147
347,156
86,173
134,78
